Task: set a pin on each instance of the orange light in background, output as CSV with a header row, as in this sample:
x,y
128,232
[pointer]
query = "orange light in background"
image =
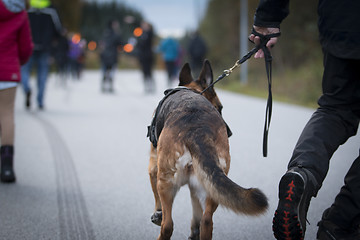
x,y
138,32
92,45
128,48
76,38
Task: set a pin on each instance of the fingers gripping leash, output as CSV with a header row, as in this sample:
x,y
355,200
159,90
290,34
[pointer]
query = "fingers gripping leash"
x,y
268,65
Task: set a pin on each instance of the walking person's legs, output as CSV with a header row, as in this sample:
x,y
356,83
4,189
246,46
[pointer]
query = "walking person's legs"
x,y
146,66
329,127
42,72
342,219
7,125
112,70
25,80
170,68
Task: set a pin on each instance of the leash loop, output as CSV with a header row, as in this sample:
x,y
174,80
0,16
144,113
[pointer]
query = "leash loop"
x,y
268,66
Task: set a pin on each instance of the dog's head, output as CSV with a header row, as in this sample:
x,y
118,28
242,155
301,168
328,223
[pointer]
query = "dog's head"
x,y
204,80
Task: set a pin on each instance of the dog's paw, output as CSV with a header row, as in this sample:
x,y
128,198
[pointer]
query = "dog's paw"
x,y
156,218
195,235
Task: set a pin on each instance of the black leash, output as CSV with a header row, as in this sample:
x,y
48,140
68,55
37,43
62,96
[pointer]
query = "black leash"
x,y
268,65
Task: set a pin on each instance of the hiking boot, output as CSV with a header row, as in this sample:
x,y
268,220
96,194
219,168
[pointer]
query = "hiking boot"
x,y
7,173
295,192
328,230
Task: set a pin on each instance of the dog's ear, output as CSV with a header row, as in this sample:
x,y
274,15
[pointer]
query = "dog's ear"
x,y
206,74
185,75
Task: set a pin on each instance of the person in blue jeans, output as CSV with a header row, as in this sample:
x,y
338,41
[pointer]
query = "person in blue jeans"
x,y
331,125
41,59
45,27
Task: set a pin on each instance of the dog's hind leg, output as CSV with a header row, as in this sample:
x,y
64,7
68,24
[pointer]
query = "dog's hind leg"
x,y
206,225
197,214
167,192
153,169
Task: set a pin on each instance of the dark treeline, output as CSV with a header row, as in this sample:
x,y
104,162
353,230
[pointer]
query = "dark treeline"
x,y
70,13
91,18
95,18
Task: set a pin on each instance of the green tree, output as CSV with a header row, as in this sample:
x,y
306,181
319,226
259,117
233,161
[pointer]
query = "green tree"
x,y
297,56
69,13
220,28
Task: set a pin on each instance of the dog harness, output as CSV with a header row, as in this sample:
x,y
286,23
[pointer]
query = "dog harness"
x,y
154,133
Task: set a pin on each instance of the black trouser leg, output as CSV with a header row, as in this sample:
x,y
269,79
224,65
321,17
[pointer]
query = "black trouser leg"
x,y
334,121
346,207
324,133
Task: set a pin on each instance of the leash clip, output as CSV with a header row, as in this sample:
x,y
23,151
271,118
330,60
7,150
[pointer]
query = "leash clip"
x,y
227,72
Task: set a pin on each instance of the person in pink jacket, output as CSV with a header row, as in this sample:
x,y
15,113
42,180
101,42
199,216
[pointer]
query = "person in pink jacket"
x,y
15,49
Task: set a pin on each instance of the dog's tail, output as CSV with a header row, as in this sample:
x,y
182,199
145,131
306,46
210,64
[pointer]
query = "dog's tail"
x,y
221,188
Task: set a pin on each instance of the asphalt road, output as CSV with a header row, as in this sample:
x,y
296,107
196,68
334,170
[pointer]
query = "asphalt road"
x,y
81,164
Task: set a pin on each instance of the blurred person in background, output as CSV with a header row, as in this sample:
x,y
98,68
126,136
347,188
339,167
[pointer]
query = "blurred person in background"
x,y
45,28
15,49
197,50
109,45
331,125
144,51
169,48
74,54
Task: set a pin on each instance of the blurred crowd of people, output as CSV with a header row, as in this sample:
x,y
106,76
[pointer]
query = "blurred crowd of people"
x,y
45,45
68,53
172,53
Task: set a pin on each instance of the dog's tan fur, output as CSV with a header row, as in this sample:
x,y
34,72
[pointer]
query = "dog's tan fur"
x,y
193,149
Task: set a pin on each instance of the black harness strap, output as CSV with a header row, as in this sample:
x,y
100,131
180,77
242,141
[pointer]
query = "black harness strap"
x,y
152,133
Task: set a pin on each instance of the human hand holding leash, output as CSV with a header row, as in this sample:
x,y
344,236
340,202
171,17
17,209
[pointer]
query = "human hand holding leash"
x,y
256,39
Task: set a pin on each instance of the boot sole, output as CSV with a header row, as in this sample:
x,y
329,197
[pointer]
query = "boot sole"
x,y
7,176
286,223
8,179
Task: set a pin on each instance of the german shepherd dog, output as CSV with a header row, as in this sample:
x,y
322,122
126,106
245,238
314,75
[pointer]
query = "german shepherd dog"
x,y
193,149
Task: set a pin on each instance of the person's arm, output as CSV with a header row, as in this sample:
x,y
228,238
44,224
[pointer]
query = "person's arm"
x,y
268,16
270,13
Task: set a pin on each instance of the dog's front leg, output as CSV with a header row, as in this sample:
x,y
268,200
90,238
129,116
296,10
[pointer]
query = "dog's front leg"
x,y
167,191
206,226
153,169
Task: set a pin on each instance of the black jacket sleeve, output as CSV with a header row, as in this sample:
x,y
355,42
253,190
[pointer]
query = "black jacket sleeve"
x,y
270,13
